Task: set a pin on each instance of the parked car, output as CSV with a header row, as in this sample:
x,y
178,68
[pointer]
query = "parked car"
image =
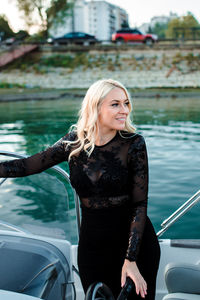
x,y
133,35
9,41
80,38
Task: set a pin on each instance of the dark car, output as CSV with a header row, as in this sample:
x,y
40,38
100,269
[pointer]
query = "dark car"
x,y
79,38
133,35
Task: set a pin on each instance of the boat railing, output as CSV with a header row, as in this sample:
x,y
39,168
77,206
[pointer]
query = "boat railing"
x,y
166,224
58,170
182,210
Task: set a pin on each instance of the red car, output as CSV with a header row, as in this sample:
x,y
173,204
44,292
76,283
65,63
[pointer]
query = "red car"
x,y
133,35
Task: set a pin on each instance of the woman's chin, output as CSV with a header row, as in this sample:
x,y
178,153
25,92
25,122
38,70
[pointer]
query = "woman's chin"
x,y
121,127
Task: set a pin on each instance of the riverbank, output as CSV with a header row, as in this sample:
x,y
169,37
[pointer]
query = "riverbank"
x,y
146,73
37,94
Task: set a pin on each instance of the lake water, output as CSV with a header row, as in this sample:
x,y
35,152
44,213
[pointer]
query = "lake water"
x,y
171,128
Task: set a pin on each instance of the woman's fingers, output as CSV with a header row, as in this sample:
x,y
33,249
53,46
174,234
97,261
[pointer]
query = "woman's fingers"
x,y
137,289
130,269
123,279
140,285
143,290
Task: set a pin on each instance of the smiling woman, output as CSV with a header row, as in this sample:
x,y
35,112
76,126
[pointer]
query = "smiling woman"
x,y
109,170
113,114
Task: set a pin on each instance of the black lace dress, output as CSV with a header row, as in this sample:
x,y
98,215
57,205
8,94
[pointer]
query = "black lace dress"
x,y
113,188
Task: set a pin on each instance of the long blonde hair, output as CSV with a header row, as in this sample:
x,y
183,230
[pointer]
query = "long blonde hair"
x,y
86,128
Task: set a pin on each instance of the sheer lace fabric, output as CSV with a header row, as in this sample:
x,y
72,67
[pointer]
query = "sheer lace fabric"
x,y
115,174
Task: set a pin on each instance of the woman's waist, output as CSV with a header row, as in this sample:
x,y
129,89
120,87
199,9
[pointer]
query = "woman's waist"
x,y
98,204
107,216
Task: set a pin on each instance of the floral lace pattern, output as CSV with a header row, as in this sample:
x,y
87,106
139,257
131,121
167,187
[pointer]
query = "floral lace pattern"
x,y
114,174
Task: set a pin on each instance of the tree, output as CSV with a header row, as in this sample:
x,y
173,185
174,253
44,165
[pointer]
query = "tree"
x,y
58,11
184,27
160,30
5,30
43,12
125,24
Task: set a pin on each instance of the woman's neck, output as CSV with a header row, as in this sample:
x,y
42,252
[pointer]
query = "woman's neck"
x,y
104,137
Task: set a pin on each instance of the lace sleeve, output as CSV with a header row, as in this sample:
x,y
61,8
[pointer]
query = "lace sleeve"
x,y
138,168
37,163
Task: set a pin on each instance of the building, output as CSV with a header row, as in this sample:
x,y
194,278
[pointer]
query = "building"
x,y
157,19
99,18
162,19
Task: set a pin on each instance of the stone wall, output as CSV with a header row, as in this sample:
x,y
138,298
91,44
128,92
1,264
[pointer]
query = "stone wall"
x,y
135,68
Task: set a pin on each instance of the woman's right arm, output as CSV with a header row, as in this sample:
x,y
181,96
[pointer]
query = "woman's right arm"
x,y
36,163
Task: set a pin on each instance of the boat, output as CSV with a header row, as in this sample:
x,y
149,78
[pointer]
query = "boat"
x,y
37,266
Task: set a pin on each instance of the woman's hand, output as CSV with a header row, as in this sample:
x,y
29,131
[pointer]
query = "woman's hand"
x,y
130,269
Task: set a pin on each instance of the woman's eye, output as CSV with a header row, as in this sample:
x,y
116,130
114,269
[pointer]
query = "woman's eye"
x,y
127,103
115,104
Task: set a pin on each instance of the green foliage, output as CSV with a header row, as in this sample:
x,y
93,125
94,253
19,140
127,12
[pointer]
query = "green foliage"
x,y
183,27
5,29
58,11
38,37
160,30
34,12
178,57
125,24
21,34
193,60
41,65
6,85
43,12
189,62
57,61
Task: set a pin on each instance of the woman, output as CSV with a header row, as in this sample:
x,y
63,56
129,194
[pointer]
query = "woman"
x,y
109,170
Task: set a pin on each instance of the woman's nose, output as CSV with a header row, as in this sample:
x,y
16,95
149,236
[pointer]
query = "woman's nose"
x,y
124,109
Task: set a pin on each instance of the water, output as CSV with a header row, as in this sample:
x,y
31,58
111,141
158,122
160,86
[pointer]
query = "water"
x,y
171,128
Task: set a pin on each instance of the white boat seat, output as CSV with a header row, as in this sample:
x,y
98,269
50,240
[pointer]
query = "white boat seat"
x,y
182,281
181,296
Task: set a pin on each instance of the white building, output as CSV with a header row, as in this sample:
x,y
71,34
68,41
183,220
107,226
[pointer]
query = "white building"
x,y
157,19
162,19
99,18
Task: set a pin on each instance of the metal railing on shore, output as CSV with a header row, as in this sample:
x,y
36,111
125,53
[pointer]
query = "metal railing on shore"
x,y
161,44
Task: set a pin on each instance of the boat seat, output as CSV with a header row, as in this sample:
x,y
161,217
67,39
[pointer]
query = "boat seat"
x,y
182,281
181,296
32,267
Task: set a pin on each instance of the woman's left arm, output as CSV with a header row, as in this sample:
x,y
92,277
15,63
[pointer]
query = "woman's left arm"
x,y
138,170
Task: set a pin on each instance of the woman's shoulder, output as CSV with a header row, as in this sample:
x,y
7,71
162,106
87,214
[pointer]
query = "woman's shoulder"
x,y
71,136
136,141
66,140
132,136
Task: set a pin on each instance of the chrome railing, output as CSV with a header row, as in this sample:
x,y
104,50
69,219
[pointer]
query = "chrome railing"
x,y
59,171
179,213
13,227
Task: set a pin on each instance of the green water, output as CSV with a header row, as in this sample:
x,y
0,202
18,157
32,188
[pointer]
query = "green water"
x,y
171,128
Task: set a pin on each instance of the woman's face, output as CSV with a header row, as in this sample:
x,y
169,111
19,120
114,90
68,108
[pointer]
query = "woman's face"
x,y
114,111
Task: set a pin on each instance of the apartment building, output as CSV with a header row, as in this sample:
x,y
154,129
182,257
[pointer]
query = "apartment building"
x,y
99,18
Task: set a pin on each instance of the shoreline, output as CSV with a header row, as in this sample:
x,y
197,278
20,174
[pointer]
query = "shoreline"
x,y
151,73
38,94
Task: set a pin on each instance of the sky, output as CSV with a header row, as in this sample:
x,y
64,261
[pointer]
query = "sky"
x,y
140,11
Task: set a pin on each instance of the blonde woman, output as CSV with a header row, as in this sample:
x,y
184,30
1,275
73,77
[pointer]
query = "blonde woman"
x,y
109,170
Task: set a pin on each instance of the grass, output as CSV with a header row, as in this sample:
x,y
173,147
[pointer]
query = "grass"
x,y
41,63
